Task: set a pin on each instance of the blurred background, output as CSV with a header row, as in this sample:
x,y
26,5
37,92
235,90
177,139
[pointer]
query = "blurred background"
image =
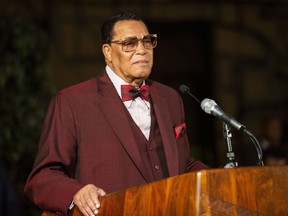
x,y
234,52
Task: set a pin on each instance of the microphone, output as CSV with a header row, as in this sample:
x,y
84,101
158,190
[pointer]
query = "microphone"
x,y
209,106
185,89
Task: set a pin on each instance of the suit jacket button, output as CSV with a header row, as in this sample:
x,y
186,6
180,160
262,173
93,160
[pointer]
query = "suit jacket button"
x,y
156,167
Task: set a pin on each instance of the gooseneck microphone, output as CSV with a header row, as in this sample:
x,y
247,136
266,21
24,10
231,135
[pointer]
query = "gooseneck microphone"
x,y
209,106
185,89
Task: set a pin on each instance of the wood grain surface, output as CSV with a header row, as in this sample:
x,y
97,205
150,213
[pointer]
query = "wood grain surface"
x,y
235,191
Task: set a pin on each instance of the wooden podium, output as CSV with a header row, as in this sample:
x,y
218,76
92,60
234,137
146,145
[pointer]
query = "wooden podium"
x,y
234,191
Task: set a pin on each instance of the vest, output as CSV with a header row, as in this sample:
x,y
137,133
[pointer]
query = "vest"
x,y
151,150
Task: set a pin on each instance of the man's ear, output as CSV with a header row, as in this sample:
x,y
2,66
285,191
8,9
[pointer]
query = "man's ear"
x,y
106,49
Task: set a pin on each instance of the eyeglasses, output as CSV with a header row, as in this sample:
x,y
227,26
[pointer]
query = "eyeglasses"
x,y
130,44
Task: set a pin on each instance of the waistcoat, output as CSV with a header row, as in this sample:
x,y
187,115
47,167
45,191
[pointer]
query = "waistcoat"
x,y
151,150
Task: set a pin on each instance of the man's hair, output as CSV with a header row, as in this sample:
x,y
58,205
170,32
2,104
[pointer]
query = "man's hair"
x,y
108,26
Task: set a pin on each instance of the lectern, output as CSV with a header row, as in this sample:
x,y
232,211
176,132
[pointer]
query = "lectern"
x,y
235,191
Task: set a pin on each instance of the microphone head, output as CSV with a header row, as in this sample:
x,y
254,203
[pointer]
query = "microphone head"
x,y
184,88
207,105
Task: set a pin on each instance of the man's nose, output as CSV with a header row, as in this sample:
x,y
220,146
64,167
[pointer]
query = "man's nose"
x,y
140,47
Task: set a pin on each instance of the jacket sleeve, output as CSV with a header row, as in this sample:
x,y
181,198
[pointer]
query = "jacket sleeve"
x,y
51,185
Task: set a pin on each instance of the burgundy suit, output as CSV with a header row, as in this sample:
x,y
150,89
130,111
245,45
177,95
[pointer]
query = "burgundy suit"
x,y
87,138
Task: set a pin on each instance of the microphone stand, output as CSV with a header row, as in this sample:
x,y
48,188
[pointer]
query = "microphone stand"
x,y
231,162
226,133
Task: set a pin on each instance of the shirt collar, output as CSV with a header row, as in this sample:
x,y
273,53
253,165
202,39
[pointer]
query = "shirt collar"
x,y
116,80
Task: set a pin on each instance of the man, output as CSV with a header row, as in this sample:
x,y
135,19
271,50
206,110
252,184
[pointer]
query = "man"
x,y
94,143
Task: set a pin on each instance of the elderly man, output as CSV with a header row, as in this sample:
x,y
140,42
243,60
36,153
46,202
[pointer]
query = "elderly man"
x,y
112,132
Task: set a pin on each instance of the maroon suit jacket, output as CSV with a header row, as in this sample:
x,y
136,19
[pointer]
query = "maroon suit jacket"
x,y
87,139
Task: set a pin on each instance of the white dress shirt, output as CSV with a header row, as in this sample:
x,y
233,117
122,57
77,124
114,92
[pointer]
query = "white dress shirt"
x,y
138,108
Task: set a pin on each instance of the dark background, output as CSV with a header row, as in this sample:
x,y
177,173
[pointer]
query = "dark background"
x,y
234,52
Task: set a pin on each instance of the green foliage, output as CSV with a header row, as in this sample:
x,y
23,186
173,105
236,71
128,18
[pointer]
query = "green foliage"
x,y
25,90
24,87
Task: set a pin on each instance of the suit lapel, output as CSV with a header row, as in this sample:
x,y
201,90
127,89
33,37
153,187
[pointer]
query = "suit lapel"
x,y
166,130
113,110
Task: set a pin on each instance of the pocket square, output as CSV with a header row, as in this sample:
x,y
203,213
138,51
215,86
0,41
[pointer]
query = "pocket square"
x,y
179,130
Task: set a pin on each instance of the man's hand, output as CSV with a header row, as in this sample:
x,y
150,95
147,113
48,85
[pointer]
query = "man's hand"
x,y
87,199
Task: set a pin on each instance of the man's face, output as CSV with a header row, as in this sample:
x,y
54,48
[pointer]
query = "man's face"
x,y
133,65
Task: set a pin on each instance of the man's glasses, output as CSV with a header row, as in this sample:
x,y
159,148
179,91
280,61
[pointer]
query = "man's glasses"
x,y
130,44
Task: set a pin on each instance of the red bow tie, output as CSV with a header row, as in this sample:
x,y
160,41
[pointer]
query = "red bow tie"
x,y
128,92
